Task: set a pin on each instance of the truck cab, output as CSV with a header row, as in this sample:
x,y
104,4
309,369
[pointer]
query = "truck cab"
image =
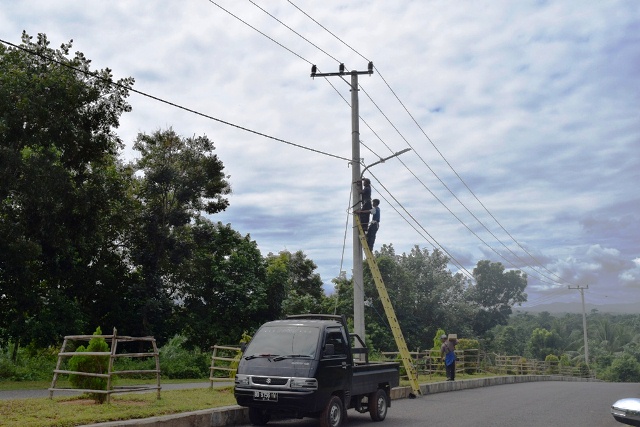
x,y
304,366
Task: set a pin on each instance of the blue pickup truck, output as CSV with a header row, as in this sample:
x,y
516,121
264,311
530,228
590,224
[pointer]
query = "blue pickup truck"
x,y
304,366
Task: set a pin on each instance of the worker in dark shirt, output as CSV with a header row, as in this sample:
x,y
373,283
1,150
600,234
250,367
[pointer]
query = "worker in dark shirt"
x,y
365,202
374,225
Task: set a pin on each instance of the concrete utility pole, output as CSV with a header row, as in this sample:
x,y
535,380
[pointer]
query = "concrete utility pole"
x,y
584,322
358,285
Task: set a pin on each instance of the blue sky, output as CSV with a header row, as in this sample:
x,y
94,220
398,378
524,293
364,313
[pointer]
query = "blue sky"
x,y
534,106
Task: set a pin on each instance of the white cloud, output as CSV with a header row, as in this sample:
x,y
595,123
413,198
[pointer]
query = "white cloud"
x,y
533,103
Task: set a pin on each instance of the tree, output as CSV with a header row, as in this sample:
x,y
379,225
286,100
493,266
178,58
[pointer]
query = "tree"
x,y
543,343
494,294
178,180
293,275
423,292
223,290
59,187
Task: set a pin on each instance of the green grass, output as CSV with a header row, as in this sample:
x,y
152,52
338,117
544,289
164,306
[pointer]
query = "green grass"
x,y
64,383
78,410
74,411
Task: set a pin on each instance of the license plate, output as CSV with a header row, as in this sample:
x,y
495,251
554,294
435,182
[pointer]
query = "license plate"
x,y
271,396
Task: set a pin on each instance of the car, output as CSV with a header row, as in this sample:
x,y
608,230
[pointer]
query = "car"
x,y
627,411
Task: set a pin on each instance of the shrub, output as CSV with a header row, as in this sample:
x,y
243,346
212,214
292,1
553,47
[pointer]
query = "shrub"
x,y
179,362
552,363
246,338
624,369
91,364
29,366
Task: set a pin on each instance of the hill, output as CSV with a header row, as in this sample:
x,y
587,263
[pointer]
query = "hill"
x,y
576,307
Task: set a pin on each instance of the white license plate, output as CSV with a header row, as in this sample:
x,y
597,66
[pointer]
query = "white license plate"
x,y
271,396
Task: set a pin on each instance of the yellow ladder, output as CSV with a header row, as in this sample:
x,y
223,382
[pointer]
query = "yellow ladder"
x,y
407,360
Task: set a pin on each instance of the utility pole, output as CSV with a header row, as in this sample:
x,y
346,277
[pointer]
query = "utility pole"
x,y
584,322
358,285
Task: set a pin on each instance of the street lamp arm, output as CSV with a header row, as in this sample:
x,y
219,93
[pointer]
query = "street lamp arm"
x,y
384,160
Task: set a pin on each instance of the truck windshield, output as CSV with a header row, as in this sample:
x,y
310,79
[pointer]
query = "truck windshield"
x,y
295,341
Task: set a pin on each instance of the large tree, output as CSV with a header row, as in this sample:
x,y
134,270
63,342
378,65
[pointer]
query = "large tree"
x,y
224,290
301,285
494,294
177,180
60,187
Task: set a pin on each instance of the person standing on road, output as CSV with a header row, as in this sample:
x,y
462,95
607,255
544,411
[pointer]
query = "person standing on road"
x,y
448,354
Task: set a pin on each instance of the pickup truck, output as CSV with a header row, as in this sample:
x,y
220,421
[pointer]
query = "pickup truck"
x,y
304,366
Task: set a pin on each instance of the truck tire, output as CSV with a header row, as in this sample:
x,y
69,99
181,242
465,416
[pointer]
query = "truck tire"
x,y
378,405
333,414
259,417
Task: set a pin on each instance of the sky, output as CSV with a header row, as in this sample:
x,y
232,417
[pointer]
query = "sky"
x,y
523,120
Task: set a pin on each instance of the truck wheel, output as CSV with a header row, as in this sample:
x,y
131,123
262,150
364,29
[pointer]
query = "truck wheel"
x,y
333,414
259,417
378,405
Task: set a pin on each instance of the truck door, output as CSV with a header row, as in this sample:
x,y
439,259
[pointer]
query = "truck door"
x,y
335,369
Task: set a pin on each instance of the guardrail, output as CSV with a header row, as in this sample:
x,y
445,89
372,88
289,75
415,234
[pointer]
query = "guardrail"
x,y
472,361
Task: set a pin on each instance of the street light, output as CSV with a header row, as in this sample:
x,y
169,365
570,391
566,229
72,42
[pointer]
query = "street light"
x,y
396,154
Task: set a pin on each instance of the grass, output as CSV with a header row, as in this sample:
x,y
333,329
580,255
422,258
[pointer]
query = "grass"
x,y
78,410
64,383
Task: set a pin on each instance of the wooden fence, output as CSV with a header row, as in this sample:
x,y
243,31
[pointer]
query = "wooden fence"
x,y
517,365
429,362
114,339
224,362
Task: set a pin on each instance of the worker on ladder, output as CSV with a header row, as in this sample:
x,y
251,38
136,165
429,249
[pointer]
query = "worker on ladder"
x,y
365,202
374,225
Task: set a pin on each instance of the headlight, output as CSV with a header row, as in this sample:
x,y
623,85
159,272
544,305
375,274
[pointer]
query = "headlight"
x,y
305,383
242,380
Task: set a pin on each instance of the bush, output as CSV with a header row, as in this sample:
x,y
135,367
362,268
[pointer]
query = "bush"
x,y
91,364
552,363
29,366
179,362
624,369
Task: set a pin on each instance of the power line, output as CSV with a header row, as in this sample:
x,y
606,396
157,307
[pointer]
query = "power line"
x,y
447,162
155,98
444,184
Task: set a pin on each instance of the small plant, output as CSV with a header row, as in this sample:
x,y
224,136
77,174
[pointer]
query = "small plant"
x,y
180,362
91,364
552,363
236,359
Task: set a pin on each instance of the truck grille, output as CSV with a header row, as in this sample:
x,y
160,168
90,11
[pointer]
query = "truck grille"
x,y
270,380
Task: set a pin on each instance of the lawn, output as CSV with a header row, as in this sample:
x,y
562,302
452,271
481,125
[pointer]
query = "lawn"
x,y
78,410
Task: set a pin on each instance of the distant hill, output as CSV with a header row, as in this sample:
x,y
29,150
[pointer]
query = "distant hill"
x,y
576,307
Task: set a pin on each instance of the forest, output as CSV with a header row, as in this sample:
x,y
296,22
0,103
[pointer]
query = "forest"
x,y
90,240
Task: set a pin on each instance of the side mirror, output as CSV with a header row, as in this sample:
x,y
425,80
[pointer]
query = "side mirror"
x,y
627,411
329,350
243,346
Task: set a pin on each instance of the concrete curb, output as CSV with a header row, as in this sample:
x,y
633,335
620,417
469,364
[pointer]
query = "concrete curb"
x,y
236,415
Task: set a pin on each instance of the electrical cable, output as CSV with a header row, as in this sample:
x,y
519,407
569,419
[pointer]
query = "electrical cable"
x,y
452,193
447,162
155,98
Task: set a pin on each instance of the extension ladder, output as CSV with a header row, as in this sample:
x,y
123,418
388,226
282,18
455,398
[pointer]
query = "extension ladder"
x,y
407,360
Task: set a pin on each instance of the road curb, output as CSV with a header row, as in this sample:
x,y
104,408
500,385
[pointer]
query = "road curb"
x,y
236,415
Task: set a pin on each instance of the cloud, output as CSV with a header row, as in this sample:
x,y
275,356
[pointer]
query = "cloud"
x,y
533,104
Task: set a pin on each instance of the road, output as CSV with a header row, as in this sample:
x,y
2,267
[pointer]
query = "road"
x,y
537,404
28,394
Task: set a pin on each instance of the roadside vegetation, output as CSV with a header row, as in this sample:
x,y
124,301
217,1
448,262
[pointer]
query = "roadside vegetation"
x,y
74,411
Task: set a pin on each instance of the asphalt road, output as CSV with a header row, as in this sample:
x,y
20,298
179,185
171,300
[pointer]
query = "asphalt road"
x,y
536,404
27,394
